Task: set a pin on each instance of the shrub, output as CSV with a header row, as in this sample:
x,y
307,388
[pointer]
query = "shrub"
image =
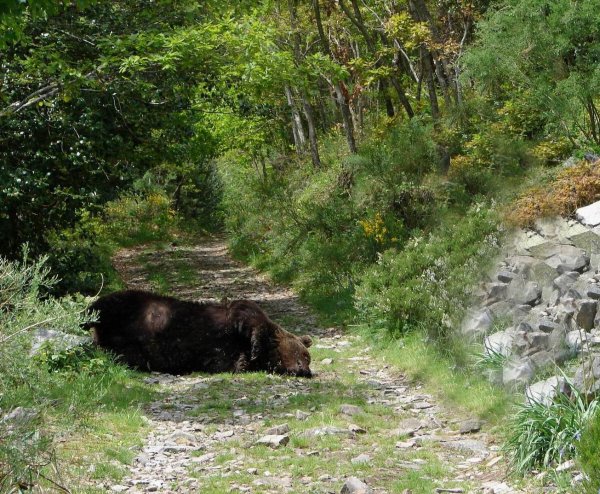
x,y
541,435
53,387
134,219
426,285
572,188
588,453
552,151
469,173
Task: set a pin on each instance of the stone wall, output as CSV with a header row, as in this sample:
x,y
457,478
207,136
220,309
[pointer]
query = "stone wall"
x,y
540,306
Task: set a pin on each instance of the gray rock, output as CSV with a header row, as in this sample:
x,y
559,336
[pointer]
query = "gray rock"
x,y
520,343
557,337
477,323
542,359
522,265
499,343
506,276
300,415
520,312
538,340
470,426
328,430
546,390
57,340
496,291
542,273
563,282
566,251
534,244
327,361
587,377
20,415
524,292
564,264
356,429
409,426
589,215
277,430
354,485
524,327
593,291
586,313
575,339
360,459
500,308
547,325
587,240
517,372
350,409
469,445
274,440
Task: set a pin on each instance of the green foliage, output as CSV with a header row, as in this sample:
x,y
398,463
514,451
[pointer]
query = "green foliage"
x,y
546,75
102,120
56,387
541,435
588,453
320,228
426,285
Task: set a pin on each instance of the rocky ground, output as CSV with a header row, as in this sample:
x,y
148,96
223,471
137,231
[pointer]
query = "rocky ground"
x,y
357,426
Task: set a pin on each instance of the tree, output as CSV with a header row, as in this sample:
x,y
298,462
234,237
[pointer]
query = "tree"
x,y
550,64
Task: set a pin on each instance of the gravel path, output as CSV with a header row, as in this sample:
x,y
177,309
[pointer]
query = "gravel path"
x,y
356,418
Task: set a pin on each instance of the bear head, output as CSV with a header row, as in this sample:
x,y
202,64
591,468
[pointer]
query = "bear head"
x,y
272,348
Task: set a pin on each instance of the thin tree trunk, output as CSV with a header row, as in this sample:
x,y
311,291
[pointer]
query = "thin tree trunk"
x,y
297,128
429,70
312,131
357,20
341,95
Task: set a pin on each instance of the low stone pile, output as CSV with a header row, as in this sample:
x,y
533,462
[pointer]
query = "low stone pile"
x,y
541,305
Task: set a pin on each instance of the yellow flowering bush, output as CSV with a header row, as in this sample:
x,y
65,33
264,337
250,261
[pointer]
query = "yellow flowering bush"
x,y
374,228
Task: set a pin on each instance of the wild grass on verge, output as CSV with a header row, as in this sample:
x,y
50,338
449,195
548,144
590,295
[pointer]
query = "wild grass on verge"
x,y
542,435
588,454
465,389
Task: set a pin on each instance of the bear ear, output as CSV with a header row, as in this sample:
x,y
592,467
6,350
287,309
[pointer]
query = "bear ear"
x,y
307,340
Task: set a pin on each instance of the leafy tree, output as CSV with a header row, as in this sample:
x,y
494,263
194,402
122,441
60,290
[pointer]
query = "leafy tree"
x,y
542,56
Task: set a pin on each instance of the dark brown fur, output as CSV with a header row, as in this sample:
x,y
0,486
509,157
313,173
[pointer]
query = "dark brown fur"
x,y
156,333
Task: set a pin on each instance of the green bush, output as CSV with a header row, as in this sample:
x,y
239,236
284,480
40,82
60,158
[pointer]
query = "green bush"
x,y
588,453
55,387
321,228
541,435
426,285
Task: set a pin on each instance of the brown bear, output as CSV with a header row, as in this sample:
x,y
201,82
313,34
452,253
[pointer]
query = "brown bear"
x,y
156,333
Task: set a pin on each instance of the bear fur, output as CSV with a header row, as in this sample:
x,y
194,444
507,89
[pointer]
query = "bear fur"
x,y
152,332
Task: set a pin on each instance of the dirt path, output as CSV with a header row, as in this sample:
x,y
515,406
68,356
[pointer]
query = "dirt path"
x,y
356,418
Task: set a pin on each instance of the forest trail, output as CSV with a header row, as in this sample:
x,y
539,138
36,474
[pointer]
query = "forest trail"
x,y
356,418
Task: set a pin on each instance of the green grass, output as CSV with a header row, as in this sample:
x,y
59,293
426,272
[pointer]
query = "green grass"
x,y
461,389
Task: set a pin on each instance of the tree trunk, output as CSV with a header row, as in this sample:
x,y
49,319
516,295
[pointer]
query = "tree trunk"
x,y
340,94
429,70
312,131
297,128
